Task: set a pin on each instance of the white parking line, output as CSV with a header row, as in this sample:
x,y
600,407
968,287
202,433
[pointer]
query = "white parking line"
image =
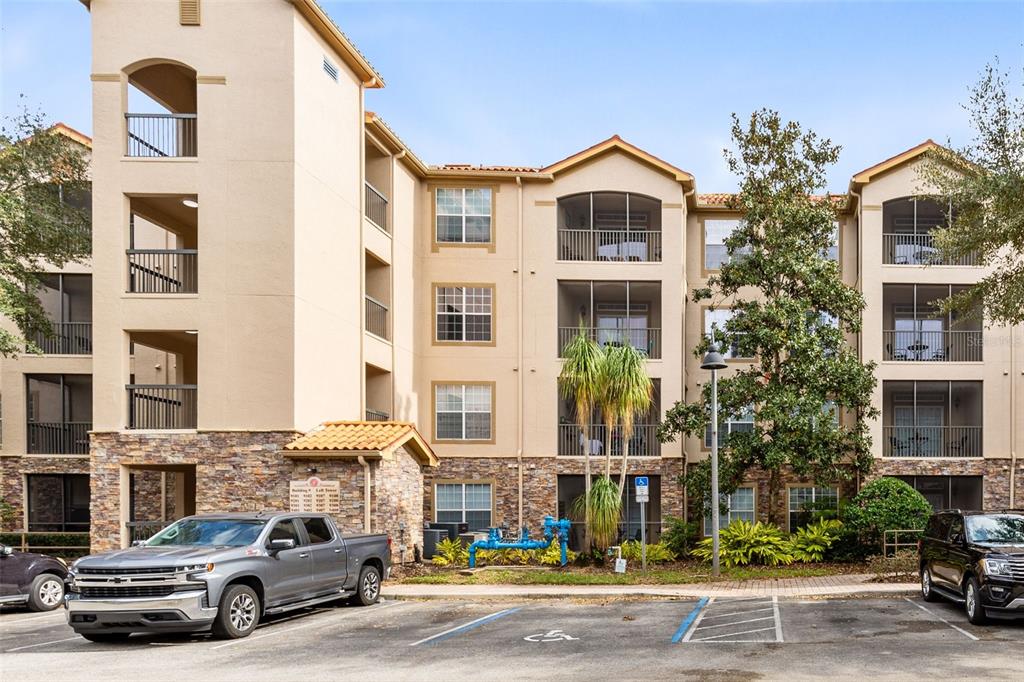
x,y
738,622
937,616
466,626
778,620
336,616
696,623
30,646
741,613
732,634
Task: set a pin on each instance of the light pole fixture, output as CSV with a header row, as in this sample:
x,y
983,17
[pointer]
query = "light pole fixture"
x,y
714,361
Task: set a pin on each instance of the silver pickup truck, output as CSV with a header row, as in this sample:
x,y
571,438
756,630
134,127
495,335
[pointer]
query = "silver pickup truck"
x,y
223,572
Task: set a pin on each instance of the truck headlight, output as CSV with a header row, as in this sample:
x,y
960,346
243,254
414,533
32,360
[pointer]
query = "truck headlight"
x,y
195,571
996,566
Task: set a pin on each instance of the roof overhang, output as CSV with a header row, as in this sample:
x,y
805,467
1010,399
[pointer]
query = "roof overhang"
x,y
354,439
616,143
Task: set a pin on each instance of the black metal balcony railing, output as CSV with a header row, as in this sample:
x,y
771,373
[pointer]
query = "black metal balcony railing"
x,y
65,338
163,271
376,318
160,135
932,441
917,249
144,530
933,346
376,208
58,438
643,443
377,416
646,339
609,245
161,406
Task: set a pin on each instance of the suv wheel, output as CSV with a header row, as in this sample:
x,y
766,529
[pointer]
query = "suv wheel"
x,y
46,593
927,593
238,613
368,587
972,603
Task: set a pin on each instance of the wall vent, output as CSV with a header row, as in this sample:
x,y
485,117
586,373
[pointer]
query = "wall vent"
x,y
330,69
188,12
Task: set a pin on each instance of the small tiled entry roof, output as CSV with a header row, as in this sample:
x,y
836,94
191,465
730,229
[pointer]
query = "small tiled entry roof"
x,y
352,438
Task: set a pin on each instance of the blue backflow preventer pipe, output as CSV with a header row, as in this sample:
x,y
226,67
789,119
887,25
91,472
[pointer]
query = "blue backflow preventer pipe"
x,y
552,529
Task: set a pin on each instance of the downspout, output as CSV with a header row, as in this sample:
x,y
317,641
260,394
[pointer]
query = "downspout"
x,y
686,455
860,287
366,494
519,347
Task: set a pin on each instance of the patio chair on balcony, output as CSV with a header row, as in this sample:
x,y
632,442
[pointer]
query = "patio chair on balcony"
x,y
899,447
957,448
900,354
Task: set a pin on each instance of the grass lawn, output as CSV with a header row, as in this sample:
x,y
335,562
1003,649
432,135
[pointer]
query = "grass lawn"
x,y
671,575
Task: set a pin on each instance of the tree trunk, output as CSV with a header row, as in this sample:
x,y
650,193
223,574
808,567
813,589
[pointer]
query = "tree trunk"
x,y
587,539
774,481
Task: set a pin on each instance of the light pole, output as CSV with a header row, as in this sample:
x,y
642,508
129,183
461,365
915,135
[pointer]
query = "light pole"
x,y
714,361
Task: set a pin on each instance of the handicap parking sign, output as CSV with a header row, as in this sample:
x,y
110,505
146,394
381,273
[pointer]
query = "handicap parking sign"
x,y
642,489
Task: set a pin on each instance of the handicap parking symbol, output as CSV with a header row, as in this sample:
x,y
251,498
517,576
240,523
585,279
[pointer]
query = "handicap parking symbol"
x,y
550,636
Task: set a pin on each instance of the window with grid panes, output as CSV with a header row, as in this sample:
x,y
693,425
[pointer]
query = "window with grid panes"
x,y
463,215
463,313
741,506
804,501
462,412
743,422
468,503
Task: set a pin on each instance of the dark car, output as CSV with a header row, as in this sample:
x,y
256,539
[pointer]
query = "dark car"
x,y
30,578
975,559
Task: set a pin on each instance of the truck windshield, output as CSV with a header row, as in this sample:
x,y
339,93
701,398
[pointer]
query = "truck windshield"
x,y
996,529
209,532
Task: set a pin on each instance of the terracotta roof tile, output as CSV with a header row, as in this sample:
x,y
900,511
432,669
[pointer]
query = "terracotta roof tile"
x,y
479,167
360,437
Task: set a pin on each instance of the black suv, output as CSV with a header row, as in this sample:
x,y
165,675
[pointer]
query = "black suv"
x,y
975,559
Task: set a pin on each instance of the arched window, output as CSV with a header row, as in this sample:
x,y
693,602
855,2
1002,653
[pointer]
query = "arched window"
x,y
161,116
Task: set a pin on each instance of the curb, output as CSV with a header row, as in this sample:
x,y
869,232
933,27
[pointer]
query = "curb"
x,y
408,592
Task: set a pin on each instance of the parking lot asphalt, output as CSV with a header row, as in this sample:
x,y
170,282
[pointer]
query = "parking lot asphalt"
x,y
709,638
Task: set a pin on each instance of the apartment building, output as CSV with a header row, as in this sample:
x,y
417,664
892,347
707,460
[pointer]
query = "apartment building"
x,y
290,308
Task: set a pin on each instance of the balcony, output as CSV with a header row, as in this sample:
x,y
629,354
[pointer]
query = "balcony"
x,y
609,226
59,414
932,419
65,338
612,313
59,438
907,227
162,406
915,329
376,209
67,301
643,443
163,235
376,318
164,123
377,416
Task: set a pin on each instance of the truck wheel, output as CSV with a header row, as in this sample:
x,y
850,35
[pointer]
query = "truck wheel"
x,y
927,593
972,603
105,637
368,587
46,593
238,613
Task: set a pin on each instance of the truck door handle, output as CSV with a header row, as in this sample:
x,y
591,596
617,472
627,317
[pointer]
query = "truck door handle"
x,y
304,555
338,551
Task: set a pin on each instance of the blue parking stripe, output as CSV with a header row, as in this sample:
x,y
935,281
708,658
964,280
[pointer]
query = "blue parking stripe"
x,y
685,625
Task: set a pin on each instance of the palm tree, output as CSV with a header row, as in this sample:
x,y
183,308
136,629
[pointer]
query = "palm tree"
x,y
634,391
580,382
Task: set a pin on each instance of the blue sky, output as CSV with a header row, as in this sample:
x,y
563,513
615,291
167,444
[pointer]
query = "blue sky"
x,y
530,83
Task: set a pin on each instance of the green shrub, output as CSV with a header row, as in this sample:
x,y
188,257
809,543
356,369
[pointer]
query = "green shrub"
x,y
885,504
451,553
811,543
848,547
744,543
656,553
679,536
46,539
552,556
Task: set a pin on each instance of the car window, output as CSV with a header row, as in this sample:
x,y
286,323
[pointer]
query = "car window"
x,y
285,530
209,532
940,527
317,529
997,529
956,529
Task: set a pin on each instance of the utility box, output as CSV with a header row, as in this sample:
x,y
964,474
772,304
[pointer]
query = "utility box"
x,y
431,538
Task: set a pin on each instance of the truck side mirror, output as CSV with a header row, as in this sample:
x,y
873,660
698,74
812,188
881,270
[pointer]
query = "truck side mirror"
x,y
7,550
138,543
281,544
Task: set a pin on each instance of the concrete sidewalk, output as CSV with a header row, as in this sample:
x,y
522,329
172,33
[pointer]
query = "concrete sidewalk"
x,y
825,586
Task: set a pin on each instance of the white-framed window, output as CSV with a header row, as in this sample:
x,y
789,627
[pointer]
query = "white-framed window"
x,y
463,215
716,231
803,501
462,412
743,422
468,503
741,506
717,319
832,252
463,313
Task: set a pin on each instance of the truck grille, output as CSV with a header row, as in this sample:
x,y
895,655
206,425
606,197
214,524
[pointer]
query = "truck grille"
x,y
127,591
125,571
1017,567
